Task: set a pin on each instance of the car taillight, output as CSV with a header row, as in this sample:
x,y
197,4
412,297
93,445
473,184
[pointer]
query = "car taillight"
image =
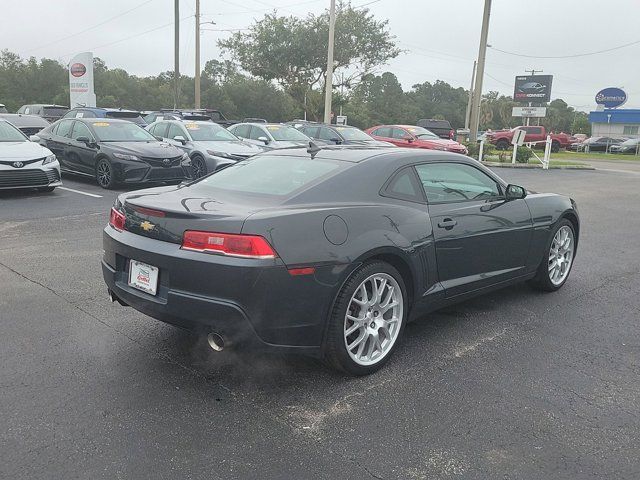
x,y
248,246
117,219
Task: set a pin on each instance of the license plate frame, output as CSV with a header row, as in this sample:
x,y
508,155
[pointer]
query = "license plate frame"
x,y
143,277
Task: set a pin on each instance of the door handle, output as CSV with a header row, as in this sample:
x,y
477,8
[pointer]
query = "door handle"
x,y
447,223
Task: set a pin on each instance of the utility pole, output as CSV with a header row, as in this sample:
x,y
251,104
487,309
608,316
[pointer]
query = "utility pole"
x,y
477,89
176,68
468,114
532,72
329,79
197,77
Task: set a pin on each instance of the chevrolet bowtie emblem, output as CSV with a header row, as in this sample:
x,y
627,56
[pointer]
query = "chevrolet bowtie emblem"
x,y
147,226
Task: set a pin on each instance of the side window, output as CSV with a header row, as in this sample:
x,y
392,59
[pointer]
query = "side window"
x,y
175,131
403,185
27,110
21,109
398,133
311,131
81,130
327,134
242,131
64,128
160,130
383,132
456,182
257,132
535,130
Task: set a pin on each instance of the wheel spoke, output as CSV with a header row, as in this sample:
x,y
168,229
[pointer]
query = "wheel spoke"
x,y
352,328
358,341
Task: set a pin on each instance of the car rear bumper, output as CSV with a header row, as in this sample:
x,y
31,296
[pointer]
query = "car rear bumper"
x,y
247,301
29,178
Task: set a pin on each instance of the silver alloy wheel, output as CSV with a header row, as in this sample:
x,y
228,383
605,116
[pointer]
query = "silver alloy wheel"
x,y
198,167
373,319
104,173
561,255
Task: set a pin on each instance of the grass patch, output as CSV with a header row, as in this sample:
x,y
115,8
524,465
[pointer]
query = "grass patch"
x,y
593,156
554,162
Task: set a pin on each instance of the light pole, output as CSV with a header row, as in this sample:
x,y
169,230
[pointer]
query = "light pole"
x,y
329,79
197,76
176,53
482,53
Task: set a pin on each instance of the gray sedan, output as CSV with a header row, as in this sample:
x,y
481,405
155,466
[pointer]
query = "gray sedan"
x,y
270,136
209,145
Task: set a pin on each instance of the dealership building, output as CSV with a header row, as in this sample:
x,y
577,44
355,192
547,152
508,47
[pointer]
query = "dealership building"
x,y
615,122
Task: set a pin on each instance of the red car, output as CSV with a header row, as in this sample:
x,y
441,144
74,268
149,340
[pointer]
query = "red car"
x,y
414,137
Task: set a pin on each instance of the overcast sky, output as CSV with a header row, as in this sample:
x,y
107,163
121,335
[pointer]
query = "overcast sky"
x,y
440,37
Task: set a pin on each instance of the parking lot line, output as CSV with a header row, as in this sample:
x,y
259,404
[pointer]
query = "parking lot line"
x,y
80,192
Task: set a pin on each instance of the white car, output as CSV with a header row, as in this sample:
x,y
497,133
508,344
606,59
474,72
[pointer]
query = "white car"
x,y
25,164
270,136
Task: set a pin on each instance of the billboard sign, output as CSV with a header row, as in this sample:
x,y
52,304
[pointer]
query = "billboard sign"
x,y
532,88
611,97
81,81
529,112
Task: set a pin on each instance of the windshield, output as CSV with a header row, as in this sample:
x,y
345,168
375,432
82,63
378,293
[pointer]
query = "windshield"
x,y
351,133
632,142
270,175
9,133
121,132
55,111
209,132
422,132
286,133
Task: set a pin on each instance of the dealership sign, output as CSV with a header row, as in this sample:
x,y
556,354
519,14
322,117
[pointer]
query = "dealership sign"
x,y
611,97
81,81
529,112
532,88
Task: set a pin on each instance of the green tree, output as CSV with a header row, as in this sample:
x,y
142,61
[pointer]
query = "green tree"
x,y
293,51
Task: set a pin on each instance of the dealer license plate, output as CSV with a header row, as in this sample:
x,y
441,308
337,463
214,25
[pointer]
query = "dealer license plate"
x,y
143,277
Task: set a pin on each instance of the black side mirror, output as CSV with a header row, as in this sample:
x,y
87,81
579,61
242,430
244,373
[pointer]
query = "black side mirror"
x,y
515,192
86,140
408,138
336,140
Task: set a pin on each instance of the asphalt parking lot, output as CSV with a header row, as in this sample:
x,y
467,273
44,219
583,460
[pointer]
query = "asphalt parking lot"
x,y
514,385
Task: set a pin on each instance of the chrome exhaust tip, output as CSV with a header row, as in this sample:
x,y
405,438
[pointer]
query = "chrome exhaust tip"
x,y
215,341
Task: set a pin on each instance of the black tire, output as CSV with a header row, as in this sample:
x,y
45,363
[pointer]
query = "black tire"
x,y
335,352
542,281
502,145
555,147
105,176
46,189
198,166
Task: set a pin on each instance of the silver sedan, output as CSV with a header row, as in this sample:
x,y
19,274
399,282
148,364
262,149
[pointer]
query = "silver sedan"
x,y
270,136
210,146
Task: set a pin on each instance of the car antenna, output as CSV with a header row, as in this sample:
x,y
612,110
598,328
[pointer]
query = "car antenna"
x,y
313,149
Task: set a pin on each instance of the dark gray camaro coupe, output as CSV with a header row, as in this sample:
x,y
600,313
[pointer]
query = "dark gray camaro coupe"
x,y
331,251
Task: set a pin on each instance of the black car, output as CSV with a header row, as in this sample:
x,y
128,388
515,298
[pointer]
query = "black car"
x,y
114,151
596,144
97,112
330,251
338,134
174,115
441,128
28,124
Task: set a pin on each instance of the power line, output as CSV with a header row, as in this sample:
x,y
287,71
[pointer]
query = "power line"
x,y
366,4
90,28
127,38
568,56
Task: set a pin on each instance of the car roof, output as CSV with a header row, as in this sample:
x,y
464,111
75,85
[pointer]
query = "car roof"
x,y
105,109
100,120
22,120
44,105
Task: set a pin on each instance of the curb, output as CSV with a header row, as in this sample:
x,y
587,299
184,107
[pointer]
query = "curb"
x,y
533,166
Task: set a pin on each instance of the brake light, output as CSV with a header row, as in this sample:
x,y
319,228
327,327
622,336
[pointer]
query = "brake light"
x,y
117,219
248,246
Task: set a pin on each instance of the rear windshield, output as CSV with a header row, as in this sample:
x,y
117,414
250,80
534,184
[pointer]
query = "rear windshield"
x,y
434,123
421,132
55,111
131,116
271,175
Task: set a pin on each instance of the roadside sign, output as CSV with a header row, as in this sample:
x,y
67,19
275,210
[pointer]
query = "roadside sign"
x,y
532,88
518,137
341,120
529,112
